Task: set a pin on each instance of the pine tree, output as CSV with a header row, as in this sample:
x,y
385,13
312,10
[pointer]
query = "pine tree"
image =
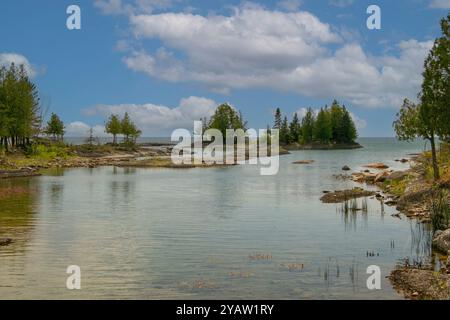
x,y
295,129
55,127
308,123
349,133
322,128
284,131
113,126
278,120
336,118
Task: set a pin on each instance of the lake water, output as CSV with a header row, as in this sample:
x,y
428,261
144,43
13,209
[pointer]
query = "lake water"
x,y
195,233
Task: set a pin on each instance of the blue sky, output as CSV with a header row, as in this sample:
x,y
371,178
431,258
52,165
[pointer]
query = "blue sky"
x,y
169,62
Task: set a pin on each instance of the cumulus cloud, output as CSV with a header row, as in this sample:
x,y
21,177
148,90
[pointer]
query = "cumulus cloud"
x,y
158,119
82,130
440,4
287,51
7,58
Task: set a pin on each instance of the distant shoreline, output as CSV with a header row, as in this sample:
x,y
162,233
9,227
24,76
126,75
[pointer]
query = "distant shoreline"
x,y
319,146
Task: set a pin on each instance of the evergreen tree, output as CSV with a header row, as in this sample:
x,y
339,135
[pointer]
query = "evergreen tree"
x,y
295,129
129,129
284,132
278,121
55,127
322,128
308,123
113,126
19,107
349,133
337,126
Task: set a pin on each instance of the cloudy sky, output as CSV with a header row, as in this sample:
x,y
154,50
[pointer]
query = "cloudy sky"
x,y
169,62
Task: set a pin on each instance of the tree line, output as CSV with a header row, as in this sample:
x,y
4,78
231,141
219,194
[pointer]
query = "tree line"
x,y
20,117
430,117
331,125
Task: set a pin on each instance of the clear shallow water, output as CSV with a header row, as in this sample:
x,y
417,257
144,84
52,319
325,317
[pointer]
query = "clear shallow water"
x,y
161,233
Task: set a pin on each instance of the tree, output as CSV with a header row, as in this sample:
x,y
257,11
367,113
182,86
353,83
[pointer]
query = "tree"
x,y
337,125
308,123
295,129
226,117
113,126
55,127
431,117
284,132
129,129
19,107
348,128
278,121
322,128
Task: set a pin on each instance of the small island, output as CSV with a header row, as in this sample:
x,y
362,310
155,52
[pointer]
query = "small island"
x,y
331,128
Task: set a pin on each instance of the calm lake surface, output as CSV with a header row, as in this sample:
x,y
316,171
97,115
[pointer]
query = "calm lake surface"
x,y
167,234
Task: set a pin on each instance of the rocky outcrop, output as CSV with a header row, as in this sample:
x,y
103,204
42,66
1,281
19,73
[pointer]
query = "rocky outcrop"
x,y
346,168
377,165
441,241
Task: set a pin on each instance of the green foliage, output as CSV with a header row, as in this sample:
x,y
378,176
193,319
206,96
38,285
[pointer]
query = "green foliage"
x,y
284,132
55,127
114,126
308,123
322,128
295,129
19,107
129,129
226,117
431,117
278,121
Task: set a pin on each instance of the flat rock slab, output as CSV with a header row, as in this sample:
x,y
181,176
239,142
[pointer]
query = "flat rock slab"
x,y
345,195
376,165
304,162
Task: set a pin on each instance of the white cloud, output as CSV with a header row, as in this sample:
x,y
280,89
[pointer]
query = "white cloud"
x,y
440,4
286,51
7,58
157,119
82,130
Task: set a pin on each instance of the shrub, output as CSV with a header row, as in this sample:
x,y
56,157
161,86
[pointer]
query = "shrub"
x,y
440,210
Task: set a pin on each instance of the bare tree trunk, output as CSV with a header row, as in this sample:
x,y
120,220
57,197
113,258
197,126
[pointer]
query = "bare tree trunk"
x,y
434,159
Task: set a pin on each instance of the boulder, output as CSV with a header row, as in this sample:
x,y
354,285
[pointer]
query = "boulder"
x,y
397,175
441,241
381,177
346,168
377,165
